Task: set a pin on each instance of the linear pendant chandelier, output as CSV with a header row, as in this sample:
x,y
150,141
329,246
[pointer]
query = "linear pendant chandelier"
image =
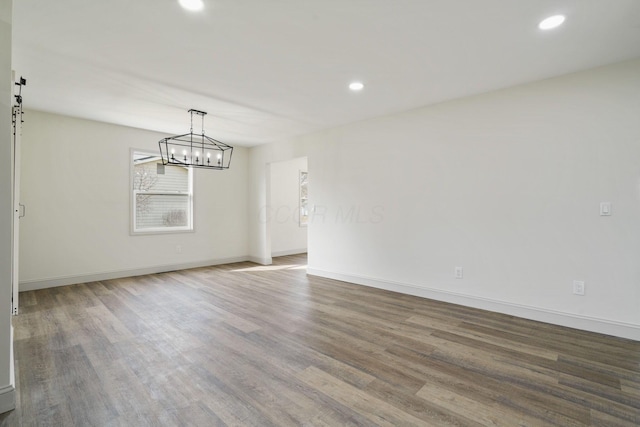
x,y
195,150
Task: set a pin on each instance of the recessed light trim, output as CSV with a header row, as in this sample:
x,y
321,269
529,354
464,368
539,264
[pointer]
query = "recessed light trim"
x,y
192,5
551,22
356,86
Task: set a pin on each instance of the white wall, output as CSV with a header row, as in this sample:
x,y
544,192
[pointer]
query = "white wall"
x,y
506,184
7,393
287,236
75,185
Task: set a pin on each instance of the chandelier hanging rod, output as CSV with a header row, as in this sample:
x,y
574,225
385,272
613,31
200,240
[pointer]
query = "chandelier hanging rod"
x,y
201,114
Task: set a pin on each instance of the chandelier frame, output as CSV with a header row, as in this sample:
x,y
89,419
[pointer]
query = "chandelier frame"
x,y
195,150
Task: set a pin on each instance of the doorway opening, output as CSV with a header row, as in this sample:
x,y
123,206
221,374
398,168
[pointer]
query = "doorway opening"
x,y
288,206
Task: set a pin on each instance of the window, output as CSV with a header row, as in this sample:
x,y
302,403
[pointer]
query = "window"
x,y
162,197
304,199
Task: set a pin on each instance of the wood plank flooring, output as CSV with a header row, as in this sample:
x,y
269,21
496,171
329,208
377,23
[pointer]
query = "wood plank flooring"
x,y
246,345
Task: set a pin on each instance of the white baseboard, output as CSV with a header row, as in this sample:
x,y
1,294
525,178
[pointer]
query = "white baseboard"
x,y
7,398
32,285
289,252
592,324
261,261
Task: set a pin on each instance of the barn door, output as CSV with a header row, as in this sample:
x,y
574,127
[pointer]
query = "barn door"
x,y
18,209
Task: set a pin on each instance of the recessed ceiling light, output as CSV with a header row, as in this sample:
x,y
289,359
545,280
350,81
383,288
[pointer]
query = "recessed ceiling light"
x,y
551,22
356,86
193,5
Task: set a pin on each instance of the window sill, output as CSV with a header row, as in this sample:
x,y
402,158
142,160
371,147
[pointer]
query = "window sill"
x,y
154,231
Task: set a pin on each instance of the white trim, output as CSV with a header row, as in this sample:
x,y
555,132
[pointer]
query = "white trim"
x,y
261,261
7,398
289,252
32,285
571,320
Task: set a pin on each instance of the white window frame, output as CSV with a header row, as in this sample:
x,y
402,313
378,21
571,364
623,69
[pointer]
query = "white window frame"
x,y
189,228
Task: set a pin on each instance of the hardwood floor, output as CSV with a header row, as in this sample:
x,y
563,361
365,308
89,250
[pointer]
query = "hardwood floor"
x,y
245,345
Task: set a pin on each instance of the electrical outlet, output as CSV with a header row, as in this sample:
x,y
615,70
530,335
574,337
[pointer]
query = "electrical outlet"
x,y
578,287
179,249
458,273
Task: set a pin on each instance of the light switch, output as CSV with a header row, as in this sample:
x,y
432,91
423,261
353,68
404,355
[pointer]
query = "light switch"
x,y
605,208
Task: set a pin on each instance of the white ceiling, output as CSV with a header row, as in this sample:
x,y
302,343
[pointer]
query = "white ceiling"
x,y
266,70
